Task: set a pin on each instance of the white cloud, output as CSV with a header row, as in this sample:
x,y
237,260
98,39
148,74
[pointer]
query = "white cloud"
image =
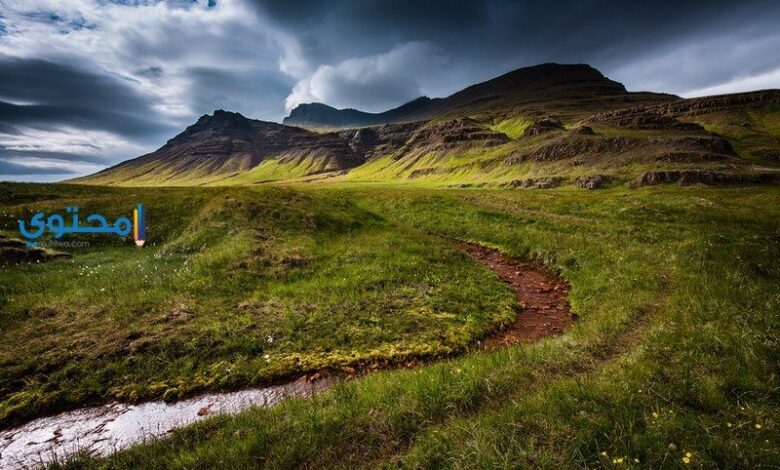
x,y
372,83
167,53
53,166
127,40
728,62
70,140
740,84
179,59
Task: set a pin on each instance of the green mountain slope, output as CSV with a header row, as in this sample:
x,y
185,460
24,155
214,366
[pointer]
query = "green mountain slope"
x,y
535,127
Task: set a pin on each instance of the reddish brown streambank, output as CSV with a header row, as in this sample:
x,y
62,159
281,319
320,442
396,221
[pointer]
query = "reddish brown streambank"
x,y
541,295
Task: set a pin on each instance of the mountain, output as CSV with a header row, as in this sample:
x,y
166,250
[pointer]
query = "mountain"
x,y
537,126
226,144
318,115
544,82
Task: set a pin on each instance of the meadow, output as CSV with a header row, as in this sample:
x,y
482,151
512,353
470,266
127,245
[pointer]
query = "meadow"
x,y
673,360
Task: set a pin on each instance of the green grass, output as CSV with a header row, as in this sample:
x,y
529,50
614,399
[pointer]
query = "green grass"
x,y
675,350
754,133
513,126
623,154
235,287
271,169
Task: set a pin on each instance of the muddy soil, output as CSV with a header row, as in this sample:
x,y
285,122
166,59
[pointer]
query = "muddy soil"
x,y
541,296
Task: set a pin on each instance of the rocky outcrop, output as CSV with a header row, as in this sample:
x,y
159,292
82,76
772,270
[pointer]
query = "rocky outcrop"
x,y
643,118
582,149
574,146
665,116
543,126
391,139
361,140
712,104
535,183
707,177
592,181
456,133
583,130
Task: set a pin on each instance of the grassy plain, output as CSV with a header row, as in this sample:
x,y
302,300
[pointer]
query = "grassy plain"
x,y
673,362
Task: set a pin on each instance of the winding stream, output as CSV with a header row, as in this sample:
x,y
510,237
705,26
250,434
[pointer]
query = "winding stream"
x,y
102,430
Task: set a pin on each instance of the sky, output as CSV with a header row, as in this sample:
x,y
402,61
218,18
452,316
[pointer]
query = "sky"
x,y
85,84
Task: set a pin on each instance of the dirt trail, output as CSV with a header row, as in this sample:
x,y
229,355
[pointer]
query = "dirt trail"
x,y
541,295
102,430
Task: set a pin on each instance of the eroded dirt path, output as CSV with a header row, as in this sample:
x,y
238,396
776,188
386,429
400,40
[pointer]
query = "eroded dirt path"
x,y
541,296
102,430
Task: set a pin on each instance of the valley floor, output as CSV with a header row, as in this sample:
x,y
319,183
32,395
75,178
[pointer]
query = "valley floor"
x,y
673,361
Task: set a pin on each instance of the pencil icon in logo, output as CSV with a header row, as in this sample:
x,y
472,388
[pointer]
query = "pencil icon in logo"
x,y
139,225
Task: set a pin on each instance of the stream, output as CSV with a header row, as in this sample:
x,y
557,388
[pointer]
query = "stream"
x,y
103,430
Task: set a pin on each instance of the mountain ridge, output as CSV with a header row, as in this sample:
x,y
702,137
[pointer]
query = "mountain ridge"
x,y
226,143
551,78
548,121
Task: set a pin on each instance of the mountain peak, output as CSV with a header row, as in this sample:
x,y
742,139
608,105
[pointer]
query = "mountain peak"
x,y
220,115
321,115
552,75
550,81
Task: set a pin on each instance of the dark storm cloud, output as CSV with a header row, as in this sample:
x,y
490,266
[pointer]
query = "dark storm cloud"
x,y
46,94
91,82
246,92
536,28
483,39
40,98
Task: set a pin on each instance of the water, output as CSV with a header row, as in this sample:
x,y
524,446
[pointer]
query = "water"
x,y
102,430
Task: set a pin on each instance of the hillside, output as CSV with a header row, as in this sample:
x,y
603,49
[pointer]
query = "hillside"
x,y
672,353
226,144
538,126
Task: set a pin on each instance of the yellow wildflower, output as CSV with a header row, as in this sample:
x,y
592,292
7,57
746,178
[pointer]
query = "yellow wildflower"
x,y
686,460
758,426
